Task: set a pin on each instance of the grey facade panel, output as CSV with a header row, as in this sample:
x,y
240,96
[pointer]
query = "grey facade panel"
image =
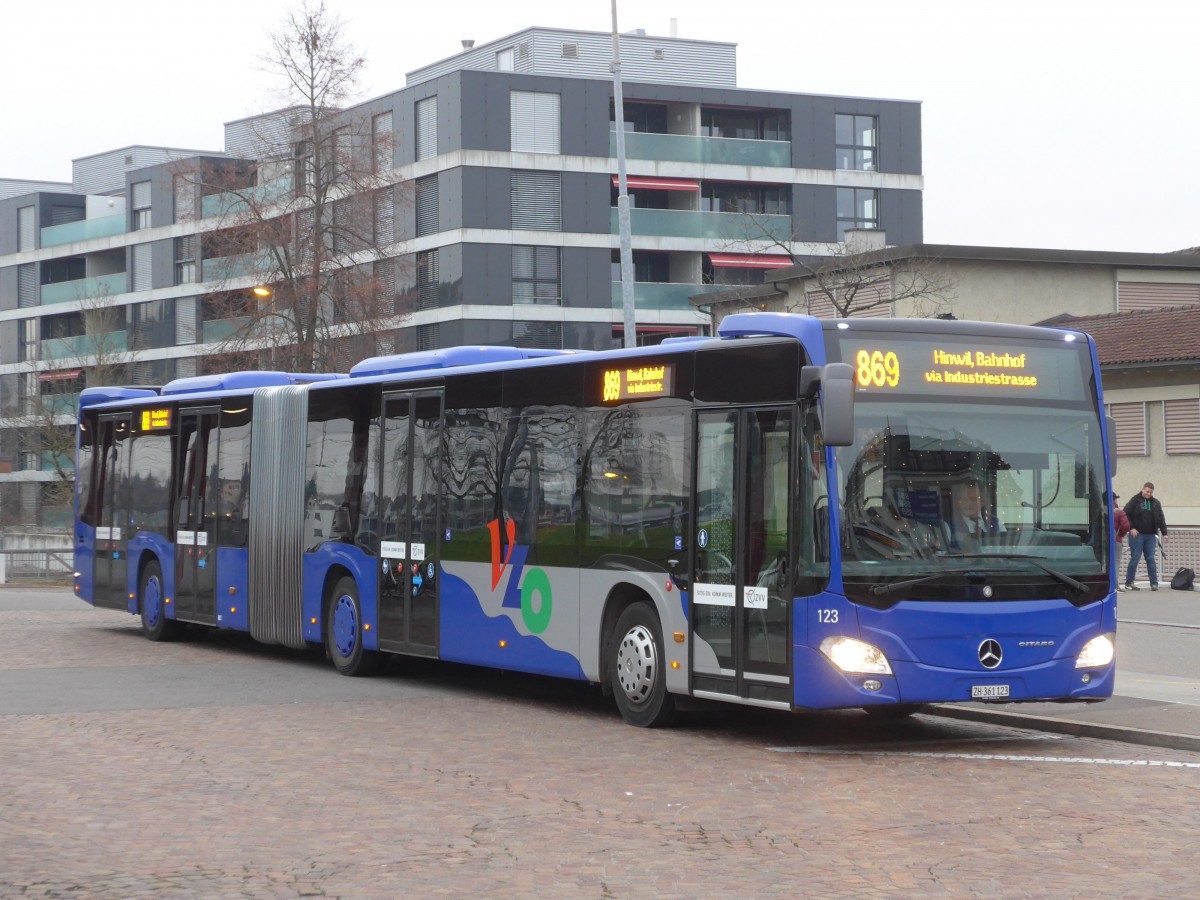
x,y
643,57
16,187
105,173
587,277
8,295
586,203
901,216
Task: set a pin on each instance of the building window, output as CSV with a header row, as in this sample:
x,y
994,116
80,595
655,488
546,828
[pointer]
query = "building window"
x,y
427,280
27,340
427,206
385,217
856,208
720,196
26,230
426,128
1131,428
537,335
140,256
428,337
745,124
302,168
534,122
184,189
536,275
185,259
537,201
384,273
504,60
27,289
1181,423
141,205
382,143
857,139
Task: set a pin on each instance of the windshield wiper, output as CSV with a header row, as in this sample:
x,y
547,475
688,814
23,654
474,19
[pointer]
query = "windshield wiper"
x,y
894,587
1033,561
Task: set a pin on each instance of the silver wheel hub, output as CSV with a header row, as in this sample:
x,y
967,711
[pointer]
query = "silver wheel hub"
x,y
637,664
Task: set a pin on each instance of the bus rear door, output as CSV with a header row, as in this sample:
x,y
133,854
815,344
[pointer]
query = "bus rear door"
x,y
741,592
409,504
196,517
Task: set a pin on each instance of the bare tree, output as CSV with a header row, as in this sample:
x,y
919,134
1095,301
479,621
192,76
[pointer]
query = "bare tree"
x,y
300,251
853,280
91,352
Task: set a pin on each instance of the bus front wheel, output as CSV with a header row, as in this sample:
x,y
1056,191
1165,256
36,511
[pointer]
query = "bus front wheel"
x,y
637,669
152,603
344,629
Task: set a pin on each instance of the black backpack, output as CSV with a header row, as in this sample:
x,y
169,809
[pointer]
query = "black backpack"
x,y
1183,580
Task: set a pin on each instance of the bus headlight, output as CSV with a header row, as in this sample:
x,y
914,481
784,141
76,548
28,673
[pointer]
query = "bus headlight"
x,y
1099,651
855,656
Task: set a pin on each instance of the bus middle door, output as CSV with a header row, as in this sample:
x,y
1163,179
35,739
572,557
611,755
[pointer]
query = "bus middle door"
x,y
410,491
196,517
741,590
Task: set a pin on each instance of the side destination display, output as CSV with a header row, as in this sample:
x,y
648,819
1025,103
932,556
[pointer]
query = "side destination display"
x,y
638,382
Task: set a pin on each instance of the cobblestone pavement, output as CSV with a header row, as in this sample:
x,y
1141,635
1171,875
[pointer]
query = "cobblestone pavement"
x,y
444,781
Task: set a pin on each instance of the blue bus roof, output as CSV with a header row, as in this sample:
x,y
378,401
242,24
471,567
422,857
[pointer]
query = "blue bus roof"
x,y
241,381
450,358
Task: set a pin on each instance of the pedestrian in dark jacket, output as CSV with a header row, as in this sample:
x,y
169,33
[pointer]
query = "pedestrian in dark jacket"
x,y
1146,523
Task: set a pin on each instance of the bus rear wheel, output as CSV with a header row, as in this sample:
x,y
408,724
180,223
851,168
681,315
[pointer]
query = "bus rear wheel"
x,y
343,631
637,669
152,603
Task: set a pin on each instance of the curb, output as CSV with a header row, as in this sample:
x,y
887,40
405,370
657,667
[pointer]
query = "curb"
x,y
1073,727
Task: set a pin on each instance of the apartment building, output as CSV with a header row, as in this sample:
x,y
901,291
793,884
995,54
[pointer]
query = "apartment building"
x,y
494,217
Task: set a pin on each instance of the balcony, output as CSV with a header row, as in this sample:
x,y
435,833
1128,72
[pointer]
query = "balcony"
x,y
246,265
85,346
244,202
97,288
216,331
83,230
693,149
664,296
739,227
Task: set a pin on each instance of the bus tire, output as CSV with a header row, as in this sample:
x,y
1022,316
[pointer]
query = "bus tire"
x,y
344,629
893,710
637,669
151,601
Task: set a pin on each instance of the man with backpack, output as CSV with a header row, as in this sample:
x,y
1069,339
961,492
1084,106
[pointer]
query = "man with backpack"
x,y
1146,524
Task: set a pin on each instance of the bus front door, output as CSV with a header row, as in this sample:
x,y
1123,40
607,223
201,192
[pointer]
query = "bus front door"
x,y
410,493
196,517
112,524
741,595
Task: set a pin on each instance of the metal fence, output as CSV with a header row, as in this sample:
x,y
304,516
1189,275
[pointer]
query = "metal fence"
x,y
31,564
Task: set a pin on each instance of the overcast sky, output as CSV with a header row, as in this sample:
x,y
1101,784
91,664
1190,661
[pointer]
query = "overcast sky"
x,y
1056,123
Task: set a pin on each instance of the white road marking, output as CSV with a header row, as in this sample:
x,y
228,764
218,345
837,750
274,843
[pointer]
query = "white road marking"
x,y
1001,757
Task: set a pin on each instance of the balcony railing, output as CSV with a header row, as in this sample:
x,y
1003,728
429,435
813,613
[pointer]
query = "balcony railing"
x,y
225,268
85,346
693,149
241,202
722,226
83,230
84,288
664,296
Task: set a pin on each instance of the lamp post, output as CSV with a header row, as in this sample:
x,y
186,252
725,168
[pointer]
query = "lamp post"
x,y
623,226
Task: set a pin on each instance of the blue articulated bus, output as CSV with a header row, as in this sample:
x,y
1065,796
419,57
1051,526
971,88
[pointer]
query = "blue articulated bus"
x,y
796,514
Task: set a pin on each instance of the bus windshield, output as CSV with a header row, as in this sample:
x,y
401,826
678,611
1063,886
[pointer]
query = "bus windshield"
x,y
1007,495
